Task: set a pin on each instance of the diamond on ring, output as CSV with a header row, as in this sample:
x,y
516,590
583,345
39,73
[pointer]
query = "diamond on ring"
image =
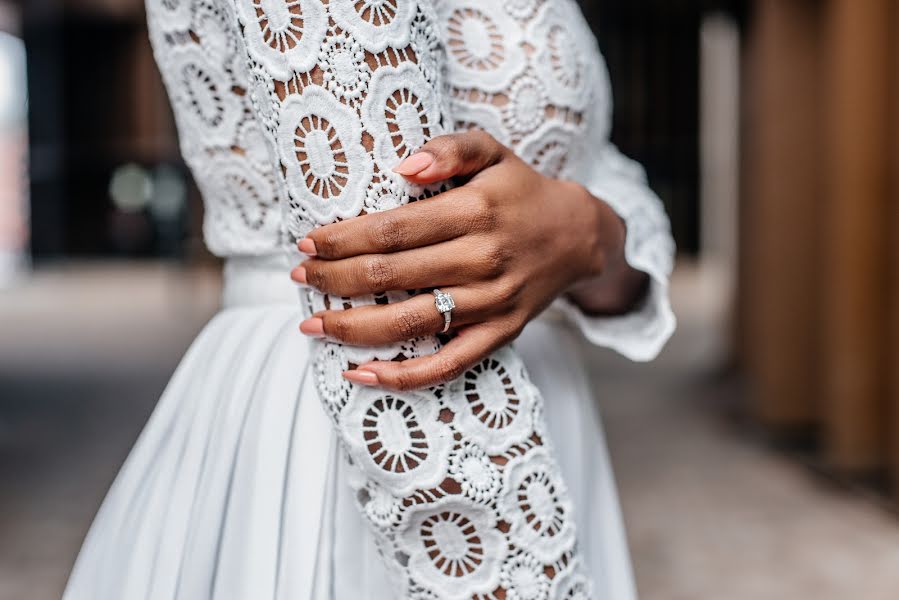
x,y
445,305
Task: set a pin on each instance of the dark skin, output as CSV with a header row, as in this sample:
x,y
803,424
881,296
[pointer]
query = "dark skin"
x,y
505,244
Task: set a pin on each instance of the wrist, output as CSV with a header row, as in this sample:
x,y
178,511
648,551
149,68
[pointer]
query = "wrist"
x,y
602,235
609,284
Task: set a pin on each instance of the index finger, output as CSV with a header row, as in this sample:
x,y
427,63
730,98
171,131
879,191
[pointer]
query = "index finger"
x,y
422,223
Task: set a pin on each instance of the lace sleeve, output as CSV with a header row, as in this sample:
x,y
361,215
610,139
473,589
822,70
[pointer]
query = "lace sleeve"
x,y
530,72
457,483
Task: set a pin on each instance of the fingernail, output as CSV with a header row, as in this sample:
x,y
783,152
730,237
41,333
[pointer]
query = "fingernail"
x,y
415,164
361,377
307,246
299,274
313,327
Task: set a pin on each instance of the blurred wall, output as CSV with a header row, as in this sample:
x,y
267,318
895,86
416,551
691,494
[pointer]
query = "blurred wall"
x,y
97,105
820,228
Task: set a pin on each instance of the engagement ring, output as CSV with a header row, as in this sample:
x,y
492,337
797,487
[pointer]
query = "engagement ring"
x,y
445,305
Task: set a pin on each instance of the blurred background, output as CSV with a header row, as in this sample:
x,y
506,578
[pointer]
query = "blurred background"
x,y
757,458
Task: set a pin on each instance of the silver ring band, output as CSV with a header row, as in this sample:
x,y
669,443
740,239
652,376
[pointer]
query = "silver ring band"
x,y
445,305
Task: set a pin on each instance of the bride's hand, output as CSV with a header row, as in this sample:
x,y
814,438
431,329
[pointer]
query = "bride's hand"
x,y
504,245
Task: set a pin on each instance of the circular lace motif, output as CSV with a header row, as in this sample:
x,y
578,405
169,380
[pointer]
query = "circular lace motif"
x,y
384,510
571,584
537,506
526,109
562,60
521,9
333,389
478,477
398,439
428,50
283,35
401,113
200,91
328,169
346,73
263,99
171,14
375,23
251,140
240,202
493,403
548,149
210,24
482,45
385,195
523,578
454,547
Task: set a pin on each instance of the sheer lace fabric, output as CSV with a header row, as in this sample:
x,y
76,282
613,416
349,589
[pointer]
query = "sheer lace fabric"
x,y
291,115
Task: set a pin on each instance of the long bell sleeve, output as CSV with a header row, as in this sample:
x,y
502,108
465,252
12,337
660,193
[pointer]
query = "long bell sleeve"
x,y
458,483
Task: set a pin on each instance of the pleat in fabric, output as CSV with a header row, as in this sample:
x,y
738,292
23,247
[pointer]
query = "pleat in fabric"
x,y
237,490
223,494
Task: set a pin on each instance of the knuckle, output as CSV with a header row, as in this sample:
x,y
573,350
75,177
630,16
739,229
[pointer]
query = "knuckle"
x,y
315,276
379,274
453,146
507,294
482,222
448,368
493,149
482,203
327,243
389,233
408,323
495,257
337,327
448,149
403,381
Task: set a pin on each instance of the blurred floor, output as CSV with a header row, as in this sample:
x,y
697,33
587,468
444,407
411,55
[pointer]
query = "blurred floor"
x,y
86,350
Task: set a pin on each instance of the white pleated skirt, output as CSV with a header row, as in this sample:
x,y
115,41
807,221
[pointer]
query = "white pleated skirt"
x,y
236,489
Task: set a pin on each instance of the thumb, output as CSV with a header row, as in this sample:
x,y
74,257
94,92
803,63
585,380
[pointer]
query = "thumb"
x,y
453,155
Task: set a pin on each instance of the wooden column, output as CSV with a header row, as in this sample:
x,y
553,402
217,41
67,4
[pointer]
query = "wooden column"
x,y
780,213
892,218
855,241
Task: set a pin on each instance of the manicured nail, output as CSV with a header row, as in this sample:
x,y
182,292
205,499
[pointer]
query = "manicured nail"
x,y
415,164
313,327
361,377
299,274
307,246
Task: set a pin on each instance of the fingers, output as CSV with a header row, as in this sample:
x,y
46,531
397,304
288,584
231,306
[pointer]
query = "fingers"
x,y
448,216
449,263
453,155
381,324
460,354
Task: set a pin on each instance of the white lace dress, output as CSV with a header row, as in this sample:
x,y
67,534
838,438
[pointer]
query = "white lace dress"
x,y
263,474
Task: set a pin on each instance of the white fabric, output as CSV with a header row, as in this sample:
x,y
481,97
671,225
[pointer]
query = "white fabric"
x,y
236,489
291,115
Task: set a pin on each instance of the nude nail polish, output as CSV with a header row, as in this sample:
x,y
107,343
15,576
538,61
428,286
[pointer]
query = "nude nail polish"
x,y
415,164
313,327
307,246
361,377
299,274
